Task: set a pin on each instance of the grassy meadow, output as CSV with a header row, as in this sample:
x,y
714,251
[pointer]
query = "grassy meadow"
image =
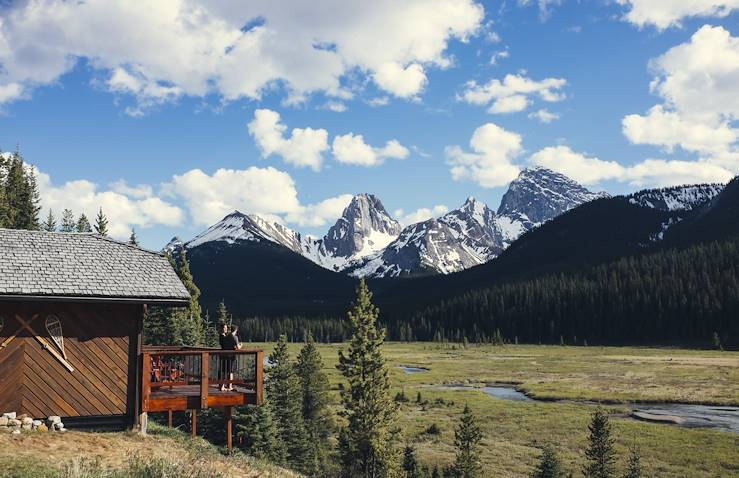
x,y
515,430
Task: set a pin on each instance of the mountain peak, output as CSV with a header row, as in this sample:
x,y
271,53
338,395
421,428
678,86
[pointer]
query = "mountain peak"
x,y
364,227
539,194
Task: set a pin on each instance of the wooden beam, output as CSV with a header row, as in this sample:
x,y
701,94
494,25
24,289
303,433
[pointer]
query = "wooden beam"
x,y
7,341
46,345
143,422
194,423
169,418
229,427
204,379
259,385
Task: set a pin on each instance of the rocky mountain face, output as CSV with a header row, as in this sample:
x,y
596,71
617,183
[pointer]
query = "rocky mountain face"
x,y
676,198
367,242
540,194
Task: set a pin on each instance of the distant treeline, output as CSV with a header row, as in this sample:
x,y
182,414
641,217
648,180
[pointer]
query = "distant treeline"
x,y
678,296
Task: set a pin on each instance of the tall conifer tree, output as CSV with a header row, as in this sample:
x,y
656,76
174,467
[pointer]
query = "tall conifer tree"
x,y
600,453
101,223
370,449
133,239
467,438
49,224
316,415
68,223
285,398
83,224
634,466
549,466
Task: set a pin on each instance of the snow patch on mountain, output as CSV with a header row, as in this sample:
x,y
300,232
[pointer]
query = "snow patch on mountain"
x,y
676,198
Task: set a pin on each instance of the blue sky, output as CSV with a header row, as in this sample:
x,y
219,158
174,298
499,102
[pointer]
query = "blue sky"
x,y
138,112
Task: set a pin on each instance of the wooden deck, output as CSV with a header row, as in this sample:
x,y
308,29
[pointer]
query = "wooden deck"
x,y
187,397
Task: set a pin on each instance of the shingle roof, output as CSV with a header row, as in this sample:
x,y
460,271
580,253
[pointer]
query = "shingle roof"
x,y
55,264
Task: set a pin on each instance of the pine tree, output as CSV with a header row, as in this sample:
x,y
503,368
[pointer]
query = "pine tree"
x,y
549,466
193,325
257,435
410,463
4,158
133,239
467,438
83,224
223,316
370,449
68,222
600,452
101,223
634,467
50,223
316,415
285,398
20,196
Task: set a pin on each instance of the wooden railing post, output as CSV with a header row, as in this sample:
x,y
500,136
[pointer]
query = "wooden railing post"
x,y
204,366
229,427
259,383
145,392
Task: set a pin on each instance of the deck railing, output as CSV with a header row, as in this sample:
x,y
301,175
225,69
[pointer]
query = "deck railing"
x,y
185,378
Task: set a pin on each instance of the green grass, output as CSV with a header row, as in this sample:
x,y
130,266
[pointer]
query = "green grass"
x,y
515,431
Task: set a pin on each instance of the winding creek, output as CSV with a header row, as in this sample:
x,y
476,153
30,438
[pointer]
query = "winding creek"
x,y
724,418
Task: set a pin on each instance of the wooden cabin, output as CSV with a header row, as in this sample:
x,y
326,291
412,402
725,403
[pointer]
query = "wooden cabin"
x,y
71,316
71,319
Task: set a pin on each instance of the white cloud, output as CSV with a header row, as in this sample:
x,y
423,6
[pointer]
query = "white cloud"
x,y
320,213
405,82
420,214
265,191
162,51
498,55
139,191
490,163
670,129
667,13
351,149
513,94
544,115
697,82
378,101
335,106
304,147
123,209
651,172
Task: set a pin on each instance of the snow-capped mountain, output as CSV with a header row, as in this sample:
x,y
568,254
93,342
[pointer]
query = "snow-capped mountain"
x,y
676,198
367,242
364,228
539,194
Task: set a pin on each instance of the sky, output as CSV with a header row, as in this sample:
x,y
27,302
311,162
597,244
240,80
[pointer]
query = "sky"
x,y
171,115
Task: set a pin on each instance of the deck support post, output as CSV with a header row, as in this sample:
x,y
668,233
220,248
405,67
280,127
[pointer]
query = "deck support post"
x,y
169,418
204,380
194,426
229,427
143,422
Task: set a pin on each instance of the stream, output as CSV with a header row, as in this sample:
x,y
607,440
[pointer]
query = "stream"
x,y
724,418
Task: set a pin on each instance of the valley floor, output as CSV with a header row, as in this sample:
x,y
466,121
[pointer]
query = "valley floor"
x,y
581,376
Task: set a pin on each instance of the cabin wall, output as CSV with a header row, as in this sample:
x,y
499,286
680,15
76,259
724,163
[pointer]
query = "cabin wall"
x,y
101,343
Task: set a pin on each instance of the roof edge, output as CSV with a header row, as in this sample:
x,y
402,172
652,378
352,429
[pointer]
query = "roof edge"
x,y
172,301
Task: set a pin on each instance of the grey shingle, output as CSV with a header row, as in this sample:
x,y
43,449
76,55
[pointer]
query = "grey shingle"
x,y
37,263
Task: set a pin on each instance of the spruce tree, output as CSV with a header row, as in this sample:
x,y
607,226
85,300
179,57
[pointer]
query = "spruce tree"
x,y
20,196
370,447
285,398
600,453
101,223
83,224
549,466
50,224
257,435
316,415
133,239
634,467
68,223
467,438
223,316
193,326
410,463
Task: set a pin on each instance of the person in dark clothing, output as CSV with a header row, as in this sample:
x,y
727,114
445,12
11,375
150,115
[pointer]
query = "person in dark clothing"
x,y
229,341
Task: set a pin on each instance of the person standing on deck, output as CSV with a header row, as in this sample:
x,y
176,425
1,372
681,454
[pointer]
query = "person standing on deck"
x,y
229,341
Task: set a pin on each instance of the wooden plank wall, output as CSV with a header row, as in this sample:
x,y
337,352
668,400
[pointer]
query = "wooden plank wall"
x,y
100,342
